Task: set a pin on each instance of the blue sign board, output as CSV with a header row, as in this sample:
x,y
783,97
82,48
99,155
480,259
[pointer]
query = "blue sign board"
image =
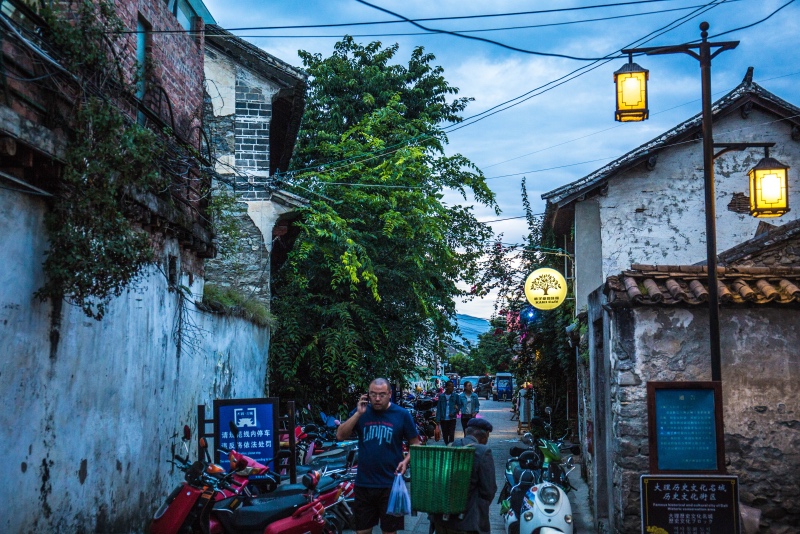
x,y
257,421
685,427
686,430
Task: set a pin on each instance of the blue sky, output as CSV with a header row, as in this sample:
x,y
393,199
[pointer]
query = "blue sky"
x,y
566,133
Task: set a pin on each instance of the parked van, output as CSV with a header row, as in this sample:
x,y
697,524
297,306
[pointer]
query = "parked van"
x,y
503,386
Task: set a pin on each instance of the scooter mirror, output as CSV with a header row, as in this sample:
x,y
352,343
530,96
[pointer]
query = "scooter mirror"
x,y
234,429
548,410
575,449
527,439
187,433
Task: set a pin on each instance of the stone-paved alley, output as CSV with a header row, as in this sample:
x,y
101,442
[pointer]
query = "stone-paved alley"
x,y
502,439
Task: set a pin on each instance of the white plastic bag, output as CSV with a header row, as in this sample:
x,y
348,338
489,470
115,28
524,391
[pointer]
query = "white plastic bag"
x,y
399,498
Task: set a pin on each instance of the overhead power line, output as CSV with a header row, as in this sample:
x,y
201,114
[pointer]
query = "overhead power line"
x,y
481,39
427,19
512,102
476,30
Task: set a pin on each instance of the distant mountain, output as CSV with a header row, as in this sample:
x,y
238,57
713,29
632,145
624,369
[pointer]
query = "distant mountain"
x,y
471,327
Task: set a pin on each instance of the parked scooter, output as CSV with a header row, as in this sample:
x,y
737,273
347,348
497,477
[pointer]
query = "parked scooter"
x,y
534,499
213,502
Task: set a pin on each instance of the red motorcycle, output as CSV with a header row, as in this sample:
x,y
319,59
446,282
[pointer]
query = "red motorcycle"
x,y
210,501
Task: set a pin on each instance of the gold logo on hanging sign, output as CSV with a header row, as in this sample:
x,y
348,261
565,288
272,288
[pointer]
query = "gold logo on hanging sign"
x,y
546,289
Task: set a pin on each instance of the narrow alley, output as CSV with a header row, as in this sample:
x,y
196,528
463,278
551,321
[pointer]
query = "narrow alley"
x,y
502,439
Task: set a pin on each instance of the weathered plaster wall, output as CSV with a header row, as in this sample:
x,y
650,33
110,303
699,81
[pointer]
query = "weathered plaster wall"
x,y
588,251
92,410
239,120
761,370
658,217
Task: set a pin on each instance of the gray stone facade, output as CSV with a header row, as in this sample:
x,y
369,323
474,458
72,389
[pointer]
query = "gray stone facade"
x,y
244,84
761,369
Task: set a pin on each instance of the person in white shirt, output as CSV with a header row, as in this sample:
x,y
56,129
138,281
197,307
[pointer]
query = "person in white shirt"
x,y
470,405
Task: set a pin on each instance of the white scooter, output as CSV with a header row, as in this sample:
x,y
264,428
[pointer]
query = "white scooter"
x,y
545,507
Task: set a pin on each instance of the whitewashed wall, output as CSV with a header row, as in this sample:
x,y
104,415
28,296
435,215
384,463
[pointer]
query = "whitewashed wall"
x,y
90,420
658,217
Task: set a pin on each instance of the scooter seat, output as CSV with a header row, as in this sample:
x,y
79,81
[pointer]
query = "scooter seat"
x,y
331,454
301,470
260,512
526,480
324,484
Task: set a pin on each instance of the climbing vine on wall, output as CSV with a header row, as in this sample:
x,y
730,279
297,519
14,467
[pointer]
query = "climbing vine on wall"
x,y
95,251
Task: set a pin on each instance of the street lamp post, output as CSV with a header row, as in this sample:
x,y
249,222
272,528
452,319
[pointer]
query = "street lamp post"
x,y
704,52
768,180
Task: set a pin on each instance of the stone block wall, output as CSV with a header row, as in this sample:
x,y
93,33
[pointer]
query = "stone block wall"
x,y
761,368
238,114
646,221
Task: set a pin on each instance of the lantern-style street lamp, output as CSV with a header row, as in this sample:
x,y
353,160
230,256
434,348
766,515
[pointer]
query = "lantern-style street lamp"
x,y
704,52
631,83
769,188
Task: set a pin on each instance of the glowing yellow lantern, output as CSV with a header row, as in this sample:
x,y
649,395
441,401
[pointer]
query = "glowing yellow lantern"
x,y
631,82
545,289
769,188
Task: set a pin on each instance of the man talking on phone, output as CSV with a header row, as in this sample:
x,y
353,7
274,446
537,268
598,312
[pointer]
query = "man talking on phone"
x,y
381,427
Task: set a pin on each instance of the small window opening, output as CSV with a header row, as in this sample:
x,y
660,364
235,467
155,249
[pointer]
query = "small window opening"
x,y
172,270
142,56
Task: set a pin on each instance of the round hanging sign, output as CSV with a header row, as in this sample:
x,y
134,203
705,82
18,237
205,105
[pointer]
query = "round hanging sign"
x,y
546,289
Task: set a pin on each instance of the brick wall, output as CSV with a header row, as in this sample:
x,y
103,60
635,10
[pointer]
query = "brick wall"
x,y
177,63
253,114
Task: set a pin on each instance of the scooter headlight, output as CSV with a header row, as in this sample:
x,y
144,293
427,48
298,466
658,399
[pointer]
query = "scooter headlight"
x,y
549,495
527,516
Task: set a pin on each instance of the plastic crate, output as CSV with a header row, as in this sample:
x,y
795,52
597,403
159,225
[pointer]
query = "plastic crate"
x,y
440,478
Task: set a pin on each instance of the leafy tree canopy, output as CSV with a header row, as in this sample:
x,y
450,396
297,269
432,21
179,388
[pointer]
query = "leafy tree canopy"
x,y
369,286
540,352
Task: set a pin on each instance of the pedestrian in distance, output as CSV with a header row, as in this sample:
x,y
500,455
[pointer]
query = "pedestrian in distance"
x,y
381,427
447,409
470,405
482,485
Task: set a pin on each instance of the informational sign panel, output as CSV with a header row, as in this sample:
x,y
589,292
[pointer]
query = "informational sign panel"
x,y
685,427
690,504
257,420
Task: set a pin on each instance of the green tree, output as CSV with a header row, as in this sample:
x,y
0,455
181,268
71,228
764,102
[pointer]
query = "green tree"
x,y
370,284
541,352
465,365
495,348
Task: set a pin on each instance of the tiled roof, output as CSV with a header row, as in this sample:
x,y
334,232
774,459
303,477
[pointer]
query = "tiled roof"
x,y
668,285
747,89
763,241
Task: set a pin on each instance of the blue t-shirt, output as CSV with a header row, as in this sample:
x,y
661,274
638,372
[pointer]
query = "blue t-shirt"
x,y
380,444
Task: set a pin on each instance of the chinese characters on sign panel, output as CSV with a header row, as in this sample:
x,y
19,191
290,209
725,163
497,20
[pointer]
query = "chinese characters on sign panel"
x,y
690,504
256,420
685,428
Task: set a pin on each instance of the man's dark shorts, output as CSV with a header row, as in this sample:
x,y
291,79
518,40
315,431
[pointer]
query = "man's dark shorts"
x,y
370,505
